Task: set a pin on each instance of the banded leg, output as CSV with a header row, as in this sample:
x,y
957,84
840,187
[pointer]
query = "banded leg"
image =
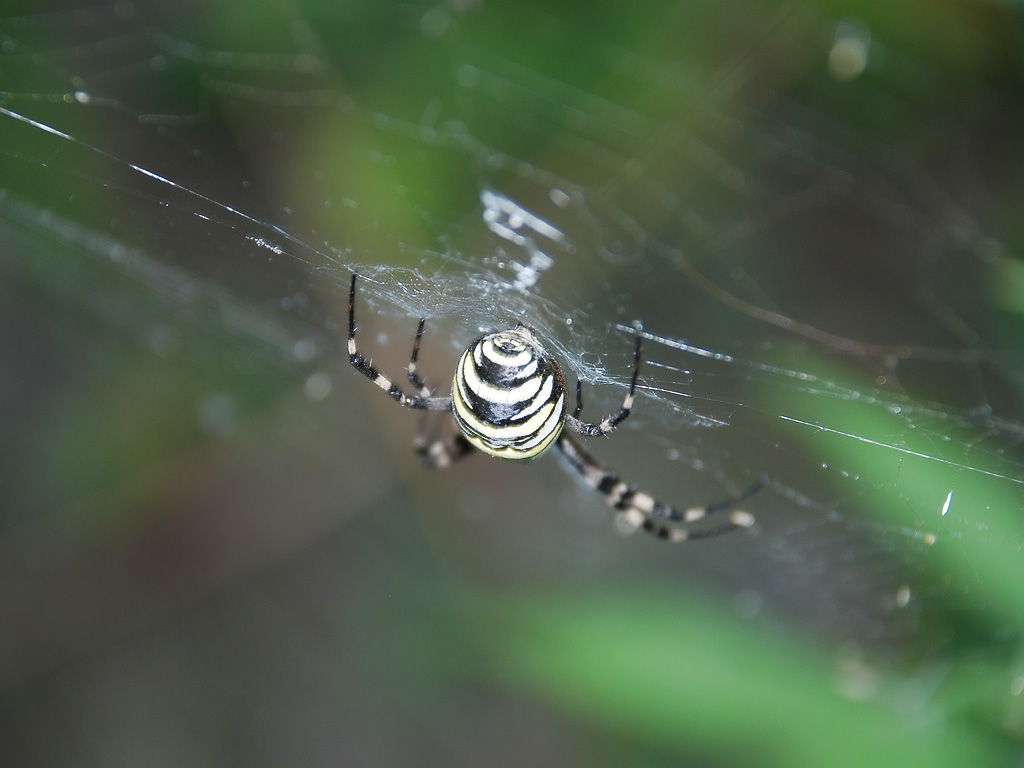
x,y
637,509
434,453
441,454
423,400
607,424
414,378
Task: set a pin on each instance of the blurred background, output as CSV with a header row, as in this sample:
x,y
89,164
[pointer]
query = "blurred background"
x,y
216,546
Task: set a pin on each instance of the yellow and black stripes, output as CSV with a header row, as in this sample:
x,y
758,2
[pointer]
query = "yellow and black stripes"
x,y
508,398
508,395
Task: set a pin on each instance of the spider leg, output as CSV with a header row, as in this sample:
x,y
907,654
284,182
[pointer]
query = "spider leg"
x,y
414,379
608,423
438,453
637,509
421,401
441,454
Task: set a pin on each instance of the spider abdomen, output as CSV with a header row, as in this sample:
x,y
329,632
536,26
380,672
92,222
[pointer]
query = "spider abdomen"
x,y
508,395
508,399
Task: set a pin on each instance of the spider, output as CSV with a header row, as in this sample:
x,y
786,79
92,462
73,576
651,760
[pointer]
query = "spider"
x,y
508,397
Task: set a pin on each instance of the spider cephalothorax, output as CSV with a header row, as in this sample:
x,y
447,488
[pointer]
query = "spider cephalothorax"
x,y
509,400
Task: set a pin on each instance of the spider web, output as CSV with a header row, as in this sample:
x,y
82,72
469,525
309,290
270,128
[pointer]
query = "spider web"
x,y
810,221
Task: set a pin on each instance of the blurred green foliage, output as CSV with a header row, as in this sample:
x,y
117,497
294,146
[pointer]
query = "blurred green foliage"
x,y
644,666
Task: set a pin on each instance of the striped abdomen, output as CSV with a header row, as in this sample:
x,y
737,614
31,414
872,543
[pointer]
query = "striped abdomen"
x,y
508,395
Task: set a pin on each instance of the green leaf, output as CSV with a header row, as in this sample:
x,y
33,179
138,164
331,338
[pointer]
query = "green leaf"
x,y
691,679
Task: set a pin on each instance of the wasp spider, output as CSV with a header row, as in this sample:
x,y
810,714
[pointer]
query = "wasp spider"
x,y
508,397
